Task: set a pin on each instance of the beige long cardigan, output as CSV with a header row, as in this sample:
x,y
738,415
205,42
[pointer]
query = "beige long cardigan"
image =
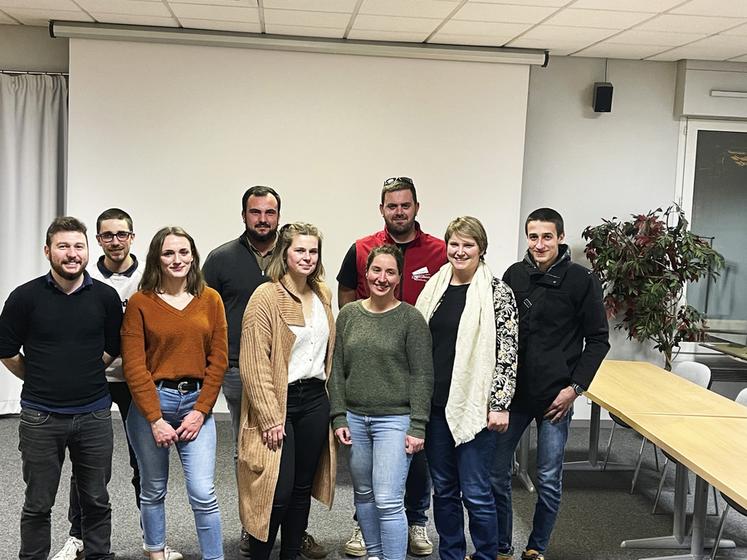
x,y
266,344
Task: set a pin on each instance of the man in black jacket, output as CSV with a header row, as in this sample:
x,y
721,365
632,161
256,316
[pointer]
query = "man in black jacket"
x,y
563,338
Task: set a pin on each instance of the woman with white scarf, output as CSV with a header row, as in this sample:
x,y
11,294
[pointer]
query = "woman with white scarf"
x,y
474,325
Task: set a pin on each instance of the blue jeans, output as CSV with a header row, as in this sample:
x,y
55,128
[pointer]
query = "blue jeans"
x,y
461,474
378,466
551,439
198,461
42,440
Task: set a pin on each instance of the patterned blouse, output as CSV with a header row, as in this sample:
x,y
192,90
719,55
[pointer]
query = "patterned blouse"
x,y
507,346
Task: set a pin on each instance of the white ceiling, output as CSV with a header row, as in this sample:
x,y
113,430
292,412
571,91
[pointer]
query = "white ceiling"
x,y
633,29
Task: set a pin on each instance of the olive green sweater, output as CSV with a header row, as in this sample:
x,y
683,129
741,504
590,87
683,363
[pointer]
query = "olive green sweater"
x,y
382,365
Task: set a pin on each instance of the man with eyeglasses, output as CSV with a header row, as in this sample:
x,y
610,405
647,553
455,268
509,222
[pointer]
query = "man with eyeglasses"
x,y
424,255
120,269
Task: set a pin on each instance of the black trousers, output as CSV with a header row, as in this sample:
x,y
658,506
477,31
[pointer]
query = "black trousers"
x,y
306,433
43,438
121,396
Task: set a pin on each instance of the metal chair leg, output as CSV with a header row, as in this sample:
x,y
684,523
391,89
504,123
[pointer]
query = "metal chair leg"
x,y
719,532
715,499
661,484
656,457
609,447
638,465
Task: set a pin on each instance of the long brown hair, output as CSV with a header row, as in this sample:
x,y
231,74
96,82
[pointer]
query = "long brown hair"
x,y
278,266
152,279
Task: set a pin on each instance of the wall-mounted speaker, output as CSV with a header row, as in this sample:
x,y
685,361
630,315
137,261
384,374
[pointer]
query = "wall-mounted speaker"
x,y
602,101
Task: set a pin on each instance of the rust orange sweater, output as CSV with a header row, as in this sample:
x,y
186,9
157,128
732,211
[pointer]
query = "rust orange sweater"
x,y
161,342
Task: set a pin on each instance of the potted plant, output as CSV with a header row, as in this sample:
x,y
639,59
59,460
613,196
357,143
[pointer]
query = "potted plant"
x,y
644,264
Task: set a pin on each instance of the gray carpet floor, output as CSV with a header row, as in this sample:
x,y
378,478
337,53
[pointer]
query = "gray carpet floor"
x,y
597,512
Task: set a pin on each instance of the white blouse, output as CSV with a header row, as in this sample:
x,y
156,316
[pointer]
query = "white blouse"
x,y
310,348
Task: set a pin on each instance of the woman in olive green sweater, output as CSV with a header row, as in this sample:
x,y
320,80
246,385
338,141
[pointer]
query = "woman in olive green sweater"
x,y
380,393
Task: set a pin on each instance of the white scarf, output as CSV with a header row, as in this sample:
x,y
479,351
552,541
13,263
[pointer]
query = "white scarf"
x,y
474,360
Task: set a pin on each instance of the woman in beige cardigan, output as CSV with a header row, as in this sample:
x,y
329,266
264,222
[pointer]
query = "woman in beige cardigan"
x,y
286,446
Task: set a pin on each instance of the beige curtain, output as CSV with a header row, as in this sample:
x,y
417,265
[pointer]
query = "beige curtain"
x,y
33,146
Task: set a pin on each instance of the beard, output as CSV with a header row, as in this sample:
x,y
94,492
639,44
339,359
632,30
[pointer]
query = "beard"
x,y
400,229
58,268
261,237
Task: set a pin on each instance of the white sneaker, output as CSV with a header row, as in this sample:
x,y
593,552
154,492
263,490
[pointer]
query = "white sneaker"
x,y
168,554
71,550
355,546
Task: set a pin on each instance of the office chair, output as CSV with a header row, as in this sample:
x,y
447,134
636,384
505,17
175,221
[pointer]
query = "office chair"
x,y
617,421
700,374
741,399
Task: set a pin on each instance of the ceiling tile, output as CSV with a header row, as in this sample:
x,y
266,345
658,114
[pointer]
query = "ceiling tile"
x,y
487,29
300,30
412,8
29,16
6,20
134,7
478,11
651,6
688,24
378,35
306,19
40,4
397,24
659,38
471,40
602,19
741,31
216,25
546,3
215,13
234,3
728,8
711,48
607,50
128,19
557,33
558,49
343,6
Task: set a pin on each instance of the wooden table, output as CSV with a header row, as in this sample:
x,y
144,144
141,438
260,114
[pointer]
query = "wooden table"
x,y
728,348
702,430
644,388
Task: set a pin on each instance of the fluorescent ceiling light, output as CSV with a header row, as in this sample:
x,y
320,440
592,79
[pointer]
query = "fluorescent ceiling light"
x,y
725,93
107,31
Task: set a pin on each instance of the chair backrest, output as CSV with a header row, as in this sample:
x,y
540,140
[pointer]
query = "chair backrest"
x,y
742,397
697,373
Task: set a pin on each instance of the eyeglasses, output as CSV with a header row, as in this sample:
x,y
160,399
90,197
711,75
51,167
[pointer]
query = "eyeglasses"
x,y
108,237
393,180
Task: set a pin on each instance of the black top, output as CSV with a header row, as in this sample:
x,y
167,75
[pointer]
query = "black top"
x,y
563,331
444,325
233,272
63,338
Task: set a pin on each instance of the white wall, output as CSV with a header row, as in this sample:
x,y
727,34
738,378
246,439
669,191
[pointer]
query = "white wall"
x,y
31,49
586,165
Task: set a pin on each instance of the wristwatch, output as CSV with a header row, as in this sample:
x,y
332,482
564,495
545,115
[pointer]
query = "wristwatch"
x,y
578,389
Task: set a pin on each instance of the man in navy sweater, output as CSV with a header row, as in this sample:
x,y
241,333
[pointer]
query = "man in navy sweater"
x,y
58,333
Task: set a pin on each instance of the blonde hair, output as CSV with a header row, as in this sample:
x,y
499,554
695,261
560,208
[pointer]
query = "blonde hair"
x,y
278,266
468,226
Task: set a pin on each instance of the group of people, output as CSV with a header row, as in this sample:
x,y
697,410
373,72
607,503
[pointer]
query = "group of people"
x,y
430,375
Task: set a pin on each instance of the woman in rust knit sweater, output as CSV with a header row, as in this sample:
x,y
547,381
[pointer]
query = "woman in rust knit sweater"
x,y
174,351
286,447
